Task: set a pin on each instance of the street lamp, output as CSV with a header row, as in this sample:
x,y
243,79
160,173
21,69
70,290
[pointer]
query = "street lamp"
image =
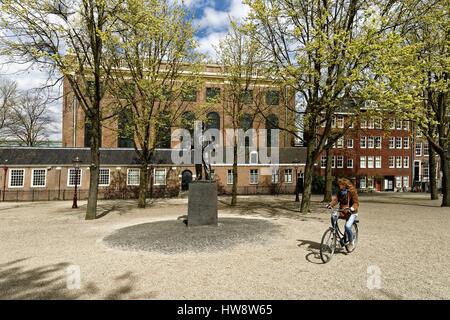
x,y
76,164
5,168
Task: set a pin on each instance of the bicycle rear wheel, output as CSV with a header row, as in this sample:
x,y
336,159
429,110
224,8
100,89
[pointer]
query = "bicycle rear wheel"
x,y
327,245
351,248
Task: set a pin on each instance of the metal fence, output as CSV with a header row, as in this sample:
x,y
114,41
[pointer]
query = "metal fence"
x,y
55,195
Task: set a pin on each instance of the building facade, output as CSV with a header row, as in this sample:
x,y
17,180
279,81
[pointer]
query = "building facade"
x,y
376,156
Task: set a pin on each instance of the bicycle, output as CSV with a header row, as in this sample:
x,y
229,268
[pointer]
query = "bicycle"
x,y
332,234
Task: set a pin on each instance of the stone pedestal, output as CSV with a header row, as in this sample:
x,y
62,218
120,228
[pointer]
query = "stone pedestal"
x,y
202,204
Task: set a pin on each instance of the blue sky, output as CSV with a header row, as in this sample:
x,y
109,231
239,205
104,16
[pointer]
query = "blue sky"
x,y
211,18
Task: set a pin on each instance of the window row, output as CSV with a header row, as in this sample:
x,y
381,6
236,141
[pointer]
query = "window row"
x,y
369,182
75,175
336,162
254,176
398,162
398,142
370,142
393,124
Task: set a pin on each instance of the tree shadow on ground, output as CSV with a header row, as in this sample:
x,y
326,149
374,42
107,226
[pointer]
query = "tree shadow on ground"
x,y
275,208
17,282
120,208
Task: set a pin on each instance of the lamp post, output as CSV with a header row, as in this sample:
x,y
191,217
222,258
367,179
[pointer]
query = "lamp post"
x,y
5,169
76,164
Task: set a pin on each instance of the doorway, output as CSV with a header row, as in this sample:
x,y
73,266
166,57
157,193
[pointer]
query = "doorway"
x,y
186,178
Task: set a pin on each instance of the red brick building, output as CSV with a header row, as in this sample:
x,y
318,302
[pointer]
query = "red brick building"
x,y
377,156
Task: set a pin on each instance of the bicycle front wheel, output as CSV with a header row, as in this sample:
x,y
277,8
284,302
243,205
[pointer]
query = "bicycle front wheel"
x,y
328,245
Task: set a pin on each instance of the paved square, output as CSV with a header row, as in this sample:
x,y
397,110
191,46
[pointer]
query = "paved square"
x,y
47,248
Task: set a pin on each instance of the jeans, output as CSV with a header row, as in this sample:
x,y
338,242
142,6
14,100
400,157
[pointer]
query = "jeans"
x,y
348,225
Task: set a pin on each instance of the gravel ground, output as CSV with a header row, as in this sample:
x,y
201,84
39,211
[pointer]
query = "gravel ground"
x,y
402,252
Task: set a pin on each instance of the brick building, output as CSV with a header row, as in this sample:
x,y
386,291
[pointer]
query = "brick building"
x,y
376,156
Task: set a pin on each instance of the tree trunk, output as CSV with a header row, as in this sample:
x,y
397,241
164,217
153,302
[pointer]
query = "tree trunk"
x,y
307,191
328,178
91,210
445,167
143,185
432,169
235,174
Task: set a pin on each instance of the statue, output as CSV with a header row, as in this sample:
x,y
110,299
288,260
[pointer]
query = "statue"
x,y
205,166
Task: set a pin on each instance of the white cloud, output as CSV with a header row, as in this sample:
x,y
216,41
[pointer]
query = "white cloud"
x,y
208,43
214,20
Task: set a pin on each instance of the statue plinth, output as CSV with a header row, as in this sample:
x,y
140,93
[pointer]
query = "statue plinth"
x,y
202,204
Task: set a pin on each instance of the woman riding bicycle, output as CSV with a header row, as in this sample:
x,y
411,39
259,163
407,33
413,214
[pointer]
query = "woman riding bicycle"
x,y
347,197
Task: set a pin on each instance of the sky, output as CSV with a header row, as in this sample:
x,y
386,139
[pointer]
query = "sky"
x,y
211,19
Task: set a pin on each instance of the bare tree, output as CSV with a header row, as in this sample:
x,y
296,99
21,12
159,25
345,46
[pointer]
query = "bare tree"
x,y
66,37
8,96
30,118
241,57
155,74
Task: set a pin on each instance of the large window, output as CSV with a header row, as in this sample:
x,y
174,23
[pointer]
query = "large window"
x,y
213,95
349,163
426,149
378,142
370,182
254,157
104,177
363,142
340,162
88,128
288,175
378,162
247,96
16,178
418,148
406,143
405,162
164,130
254,176
340,143
371,142
363,124
362,182
398,142
213,121
75,177
370,163
391,162
275,177
229,176
391,143
398,162
38,178
406,181
350,143
362,162
271,124
273,98
160,177
323,162
125,129
190,95
398,182
340,121
133,177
